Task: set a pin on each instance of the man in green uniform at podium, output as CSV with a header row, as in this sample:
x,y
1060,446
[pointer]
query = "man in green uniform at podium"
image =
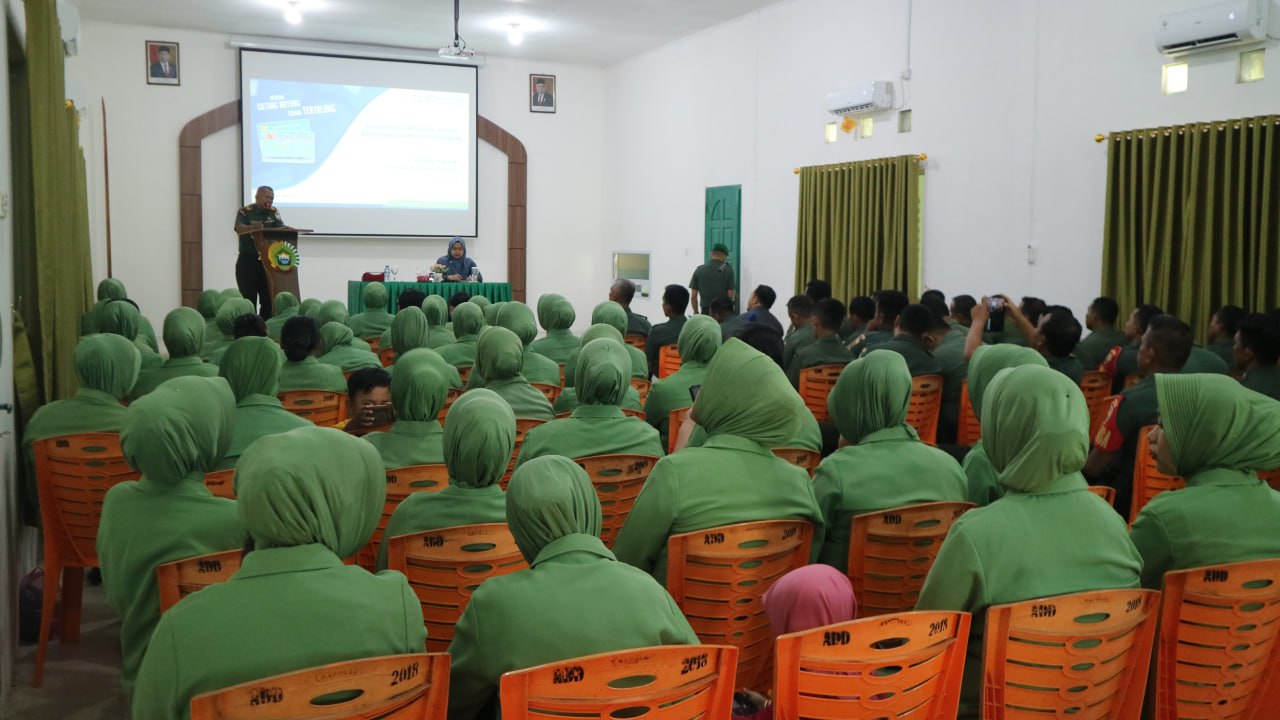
x,y
251,278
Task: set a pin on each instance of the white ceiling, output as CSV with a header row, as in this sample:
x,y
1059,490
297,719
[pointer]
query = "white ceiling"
x,y
591,32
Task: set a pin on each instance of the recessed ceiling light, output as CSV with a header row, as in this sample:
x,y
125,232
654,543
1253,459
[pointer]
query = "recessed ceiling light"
x,y
292,14
515,35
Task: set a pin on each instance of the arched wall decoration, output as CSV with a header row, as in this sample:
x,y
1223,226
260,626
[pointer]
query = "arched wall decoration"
x,y
191,230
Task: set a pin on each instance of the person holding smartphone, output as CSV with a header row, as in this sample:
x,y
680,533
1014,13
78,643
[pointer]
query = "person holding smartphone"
x,y
368,402
417,394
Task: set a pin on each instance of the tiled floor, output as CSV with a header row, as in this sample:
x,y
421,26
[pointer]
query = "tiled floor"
x,y
81,681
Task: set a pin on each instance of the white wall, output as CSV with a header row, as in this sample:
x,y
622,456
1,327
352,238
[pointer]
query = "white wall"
x,y
565,174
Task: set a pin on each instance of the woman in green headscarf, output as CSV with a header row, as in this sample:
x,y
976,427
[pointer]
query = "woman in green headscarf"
x,y
746,406
437,311
418,392
252,367
468,320
518,318
284,306
479,301
336,311
499,357
307,499
699,340
310,307
336,349
300,340
120,317
1048,535
987,362
612,314
376,318
109,289
884,464
409,330
491,313
207,306
173,436
575,599
479,436
183,337
597,426
1217,435
568,399
226,320
556,316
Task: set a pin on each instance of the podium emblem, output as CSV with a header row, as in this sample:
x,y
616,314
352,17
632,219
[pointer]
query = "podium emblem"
x,y
283,256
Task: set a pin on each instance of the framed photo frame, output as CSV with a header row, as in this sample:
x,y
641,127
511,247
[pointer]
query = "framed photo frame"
x,y
542,93
162,63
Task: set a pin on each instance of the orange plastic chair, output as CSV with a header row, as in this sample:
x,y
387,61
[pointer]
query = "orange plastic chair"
x,y
1218,655
523,426
926,404
387,356
1096,386
445,566
221,483
73,475
180,578
1084,655
618,479
464,372
552,392
903,665
375,343
1148,482
718,575
1105,492
674,682
891,551
322,407
561,374
800,457
1132,379
815,385
636,340
449,399
668,360
1271,477
392,687
675,419
643,387
401,483
970,430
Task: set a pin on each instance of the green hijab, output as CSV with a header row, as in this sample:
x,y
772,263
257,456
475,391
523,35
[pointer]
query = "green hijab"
x,y
491,313
746,394
333,335
310,308
180,428
107,363
611,313
699,339
436,310
120,318
311,485
227,314
208,303
550,497
376,297
555,312
252,367
112,289
229,294
603,373
499,354
872,394
418,389
468,318
284,305
409,330
332,311
183,332
518,318
594,332
479,437
989,360
1211,421
1035,429
479,301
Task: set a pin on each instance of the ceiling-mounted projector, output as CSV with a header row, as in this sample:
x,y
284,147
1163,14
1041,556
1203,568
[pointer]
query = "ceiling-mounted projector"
x,y
457,52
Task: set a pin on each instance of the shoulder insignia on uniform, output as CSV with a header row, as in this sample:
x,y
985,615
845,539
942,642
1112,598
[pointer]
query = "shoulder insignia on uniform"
x,y
247,208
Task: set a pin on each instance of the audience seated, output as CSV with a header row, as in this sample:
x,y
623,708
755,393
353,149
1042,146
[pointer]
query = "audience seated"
x,y
962,311
948,339
284,305
183,338
801,332
300,340
228,311
623,291
376,318
366,389
889,305
121,317
913,338
1055,335
468,320
518,318
556,316
499,357
1122,361
1257,351
491,311
1101,321
722,311
611,313
568,399
409,331
109,289
675,301
336,349
760,308
413,297
418,391
1223,325
826,348
699,341
207,306
982,479
437,312
862,310
252,368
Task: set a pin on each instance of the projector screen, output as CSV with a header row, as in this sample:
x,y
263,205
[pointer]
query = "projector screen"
x,y
357,146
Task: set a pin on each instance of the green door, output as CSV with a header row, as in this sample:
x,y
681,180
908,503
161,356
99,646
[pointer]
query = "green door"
x,y
724,225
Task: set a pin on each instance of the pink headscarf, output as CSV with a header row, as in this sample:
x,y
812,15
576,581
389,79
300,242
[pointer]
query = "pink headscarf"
x,y
809,597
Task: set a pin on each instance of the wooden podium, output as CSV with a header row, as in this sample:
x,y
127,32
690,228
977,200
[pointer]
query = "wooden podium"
x,y
278,252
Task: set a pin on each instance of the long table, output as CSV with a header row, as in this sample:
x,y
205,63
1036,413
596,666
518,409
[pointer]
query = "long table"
x,y
497,292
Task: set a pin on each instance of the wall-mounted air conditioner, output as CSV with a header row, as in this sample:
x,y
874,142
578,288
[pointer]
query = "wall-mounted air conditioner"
x,y
861,98
1228,24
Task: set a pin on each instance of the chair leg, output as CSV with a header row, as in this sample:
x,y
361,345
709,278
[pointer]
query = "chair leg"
x,y
52,577
72,599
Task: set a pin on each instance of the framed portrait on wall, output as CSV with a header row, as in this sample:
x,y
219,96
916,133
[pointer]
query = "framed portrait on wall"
x,y
162,63
542,93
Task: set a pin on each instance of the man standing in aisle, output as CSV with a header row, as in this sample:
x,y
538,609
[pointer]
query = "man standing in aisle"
x,y
251,278
712,280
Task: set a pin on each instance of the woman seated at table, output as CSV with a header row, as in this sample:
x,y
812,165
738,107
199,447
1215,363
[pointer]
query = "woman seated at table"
x,y
457,266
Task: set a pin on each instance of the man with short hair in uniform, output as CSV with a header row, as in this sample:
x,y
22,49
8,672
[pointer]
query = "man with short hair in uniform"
x,y
251,277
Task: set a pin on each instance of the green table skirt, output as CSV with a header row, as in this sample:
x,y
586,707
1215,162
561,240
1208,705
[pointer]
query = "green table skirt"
x,y
497,292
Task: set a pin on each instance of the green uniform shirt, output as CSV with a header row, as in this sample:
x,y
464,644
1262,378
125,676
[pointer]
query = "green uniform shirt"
x,y
592,430
732,326
919,361
248,215
868,341
795,342
1127,362
638,324
451,506
256,416
808,436
556,346
568,400
461,353
311,374
376,317
667,333
1093,349
149,380
409,442
713,280
526,401
672,393
1069,366
822,351
348,358
1203,361
1224,348
955,369
982,480
1264,379
537,369
850,330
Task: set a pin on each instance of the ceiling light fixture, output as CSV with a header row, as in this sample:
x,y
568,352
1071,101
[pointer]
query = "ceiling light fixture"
x,y
292,14
515,35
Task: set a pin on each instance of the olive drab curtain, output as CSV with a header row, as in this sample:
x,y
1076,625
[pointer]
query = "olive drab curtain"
x,y
859,226
1193,218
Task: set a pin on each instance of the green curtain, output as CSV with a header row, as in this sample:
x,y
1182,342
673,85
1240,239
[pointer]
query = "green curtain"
x,y
859,226
1193,218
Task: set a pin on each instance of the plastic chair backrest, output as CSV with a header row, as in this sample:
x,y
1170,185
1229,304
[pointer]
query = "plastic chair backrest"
x,y
392,687
74,473
387,356
551,392
891,551
1084,655
673,682
401,483
902,665
375,343
618,479
180,578
561,374
1105,492
718,575
970,430
1271,477
449,399
815,385
523,426
668,360
322,407
221,483
643,387
1218,656
800,457
636,340
445,566
926,404
464,372
1148,482
1096,386
675,419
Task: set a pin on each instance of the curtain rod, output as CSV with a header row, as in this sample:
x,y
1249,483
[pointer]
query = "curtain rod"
x,y
922,157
